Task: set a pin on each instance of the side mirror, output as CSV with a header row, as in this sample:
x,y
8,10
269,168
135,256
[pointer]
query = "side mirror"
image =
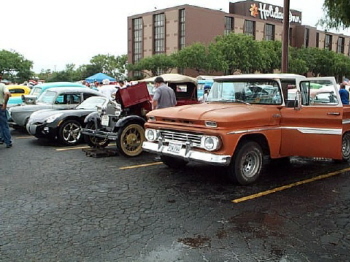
x,y
297,101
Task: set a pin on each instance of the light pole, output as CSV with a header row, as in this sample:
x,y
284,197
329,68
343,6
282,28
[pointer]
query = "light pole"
x,y
285,42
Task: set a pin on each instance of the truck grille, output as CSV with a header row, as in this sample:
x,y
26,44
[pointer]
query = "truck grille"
x,y
181,137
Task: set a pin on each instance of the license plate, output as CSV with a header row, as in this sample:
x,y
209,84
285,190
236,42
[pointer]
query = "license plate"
x,y
174,148
105,120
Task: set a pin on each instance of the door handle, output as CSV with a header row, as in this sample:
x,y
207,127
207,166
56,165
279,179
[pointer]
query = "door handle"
x,y
333,113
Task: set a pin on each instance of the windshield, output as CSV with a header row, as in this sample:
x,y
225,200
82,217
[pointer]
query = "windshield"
x,y
47,97
36,91
92,102
250,91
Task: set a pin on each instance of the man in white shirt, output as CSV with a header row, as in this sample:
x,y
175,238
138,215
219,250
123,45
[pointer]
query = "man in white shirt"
x,y
108,90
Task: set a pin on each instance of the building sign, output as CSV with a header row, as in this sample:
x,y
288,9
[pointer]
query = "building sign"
x,y
266,11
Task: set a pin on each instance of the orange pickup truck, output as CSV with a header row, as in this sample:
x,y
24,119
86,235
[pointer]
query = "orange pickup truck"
x,y
251,116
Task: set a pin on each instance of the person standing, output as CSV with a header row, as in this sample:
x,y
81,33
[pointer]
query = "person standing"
x,y
5,134
108,90
344,94
164,96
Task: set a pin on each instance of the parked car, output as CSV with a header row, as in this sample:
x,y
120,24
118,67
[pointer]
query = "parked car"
x,y
18,90
121,121
53,98
64,125
37,90
250,118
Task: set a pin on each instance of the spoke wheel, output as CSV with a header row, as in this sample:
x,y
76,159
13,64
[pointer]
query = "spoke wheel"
x,y
70,132
246,164
130,139
94,141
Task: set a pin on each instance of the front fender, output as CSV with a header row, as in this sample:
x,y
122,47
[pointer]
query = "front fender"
x,y
92,117
133,118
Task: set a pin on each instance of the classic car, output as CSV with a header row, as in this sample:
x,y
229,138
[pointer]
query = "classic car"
x,y
36,91
53,98
121,122
64,125
240,129
18,90
185,87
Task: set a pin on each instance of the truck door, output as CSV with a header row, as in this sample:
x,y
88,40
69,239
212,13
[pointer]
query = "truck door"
x,y
313,128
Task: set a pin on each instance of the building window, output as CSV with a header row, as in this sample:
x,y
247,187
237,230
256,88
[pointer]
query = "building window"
x,y
228,25
249,28
328,42
269,32
182,29
340,45
137,39
317,39
306,37
159,34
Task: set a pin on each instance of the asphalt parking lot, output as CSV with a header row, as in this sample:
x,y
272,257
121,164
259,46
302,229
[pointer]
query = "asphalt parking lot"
x,y
57,204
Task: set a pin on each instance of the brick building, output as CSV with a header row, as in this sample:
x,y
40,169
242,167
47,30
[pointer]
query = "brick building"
x,y
169,30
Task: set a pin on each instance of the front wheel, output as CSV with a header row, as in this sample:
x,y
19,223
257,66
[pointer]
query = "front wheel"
x,y
246,164
346,147
69,132
94,141
130,139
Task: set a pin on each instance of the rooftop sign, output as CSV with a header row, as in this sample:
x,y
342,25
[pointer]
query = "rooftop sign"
x,y
266,11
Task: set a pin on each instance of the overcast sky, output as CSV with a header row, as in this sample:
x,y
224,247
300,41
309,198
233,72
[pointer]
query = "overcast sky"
x,y
55,33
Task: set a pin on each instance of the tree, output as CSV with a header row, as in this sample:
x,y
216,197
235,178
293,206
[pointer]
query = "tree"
x,y
111,65
240,52
153,65
271,53
14,66
194,56
337,14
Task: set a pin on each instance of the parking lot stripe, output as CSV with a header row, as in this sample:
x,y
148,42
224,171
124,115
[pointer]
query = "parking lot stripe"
x,y
71,148
23,137
143,165
277,189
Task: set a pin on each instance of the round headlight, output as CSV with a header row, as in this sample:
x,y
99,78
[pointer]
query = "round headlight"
x,y
151,134
211,143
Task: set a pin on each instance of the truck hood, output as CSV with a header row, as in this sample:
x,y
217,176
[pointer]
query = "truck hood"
x,y
251,114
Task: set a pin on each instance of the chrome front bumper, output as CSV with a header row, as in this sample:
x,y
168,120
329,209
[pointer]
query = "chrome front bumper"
x,y
188,154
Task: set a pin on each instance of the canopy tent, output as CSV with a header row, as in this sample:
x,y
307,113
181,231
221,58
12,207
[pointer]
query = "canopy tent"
x,y
99,77
172,78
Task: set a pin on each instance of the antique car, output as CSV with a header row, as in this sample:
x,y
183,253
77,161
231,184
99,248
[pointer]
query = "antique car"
x,y
64,125
53,98
185,87
250,118
18,90
121,121
29,98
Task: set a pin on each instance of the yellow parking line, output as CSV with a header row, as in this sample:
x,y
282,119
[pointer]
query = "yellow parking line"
x,y
143,165
23,137
277,189
71,148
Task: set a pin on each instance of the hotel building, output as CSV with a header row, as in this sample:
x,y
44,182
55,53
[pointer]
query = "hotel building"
x,y
169,30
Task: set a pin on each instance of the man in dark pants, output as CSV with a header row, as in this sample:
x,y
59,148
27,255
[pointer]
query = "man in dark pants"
x,y
5,135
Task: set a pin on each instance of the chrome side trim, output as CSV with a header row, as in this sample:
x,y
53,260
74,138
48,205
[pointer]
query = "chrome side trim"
x,y
304,130
346,121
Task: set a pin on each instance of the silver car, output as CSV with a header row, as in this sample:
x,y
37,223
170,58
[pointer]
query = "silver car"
x,y
53,98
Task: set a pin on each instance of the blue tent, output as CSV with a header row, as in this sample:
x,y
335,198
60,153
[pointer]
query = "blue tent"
x,y
99,77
